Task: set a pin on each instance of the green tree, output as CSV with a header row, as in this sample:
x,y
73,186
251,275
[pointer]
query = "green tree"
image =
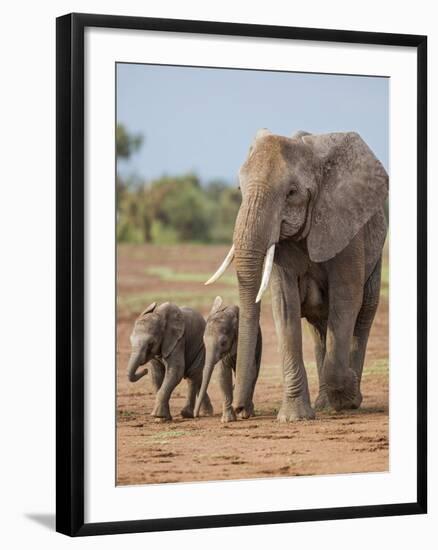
x,y
179,204
187,212
134,223
215,188
126,143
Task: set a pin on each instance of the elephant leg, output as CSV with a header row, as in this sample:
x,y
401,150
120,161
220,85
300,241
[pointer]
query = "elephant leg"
x,y
188,410
258,357
251,409
286,307
157,371
319,330
172,377
226,387
207,406
345,301
363,325
194,382
192,392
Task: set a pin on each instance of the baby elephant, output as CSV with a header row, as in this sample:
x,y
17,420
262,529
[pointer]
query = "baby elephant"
x,y
171,339
220,339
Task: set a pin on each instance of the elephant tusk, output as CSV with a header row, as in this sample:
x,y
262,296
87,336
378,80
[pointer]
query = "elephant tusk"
x,y
223,267
269,260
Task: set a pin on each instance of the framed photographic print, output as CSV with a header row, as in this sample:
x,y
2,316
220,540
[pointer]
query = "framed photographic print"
x,y
241,274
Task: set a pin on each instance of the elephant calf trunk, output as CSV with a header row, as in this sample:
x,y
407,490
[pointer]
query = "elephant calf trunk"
x,y
133,365
206,377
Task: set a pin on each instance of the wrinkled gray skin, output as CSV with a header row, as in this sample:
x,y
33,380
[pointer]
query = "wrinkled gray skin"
x,y
170,339
319,199
220,339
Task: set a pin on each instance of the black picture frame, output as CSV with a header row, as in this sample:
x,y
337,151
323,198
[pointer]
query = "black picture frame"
x,y
70,273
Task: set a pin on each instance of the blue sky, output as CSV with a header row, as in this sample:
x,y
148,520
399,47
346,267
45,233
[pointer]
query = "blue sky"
x,y
203,120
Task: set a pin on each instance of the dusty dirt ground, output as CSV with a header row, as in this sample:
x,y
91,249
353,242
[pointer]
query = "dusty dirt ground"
x,y
204,448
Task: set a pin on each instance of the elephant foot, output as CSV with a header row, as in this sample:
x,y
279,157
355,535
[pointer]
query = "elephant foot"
x,y
294,409
357,401
345,394
247,412
322,402
228,415
207,407
161,412
187,412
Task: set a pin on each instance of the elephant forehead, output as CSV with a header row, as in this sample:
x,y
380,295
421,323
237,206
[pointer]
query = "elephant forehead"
x,y
151,323
273,157
216,325
265,158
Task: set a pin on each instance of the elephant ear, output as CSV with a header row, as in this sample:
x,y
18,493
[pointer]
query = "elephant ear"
x,y
173,328
354,185
234,311
149,309
217,305
299,134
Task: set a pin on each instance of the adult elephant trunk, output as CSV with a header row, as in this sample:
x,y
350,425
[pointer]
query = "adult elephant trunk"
x,y
210,361
255,234
135,361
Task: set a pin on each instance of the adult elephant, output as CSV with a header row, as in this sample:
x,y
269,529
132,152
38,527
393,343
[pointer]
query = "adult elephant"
x,y
312,223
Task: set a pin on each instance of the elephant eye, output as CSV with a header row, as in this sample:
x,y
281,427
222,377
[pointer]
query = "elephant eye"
x,y
291,192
